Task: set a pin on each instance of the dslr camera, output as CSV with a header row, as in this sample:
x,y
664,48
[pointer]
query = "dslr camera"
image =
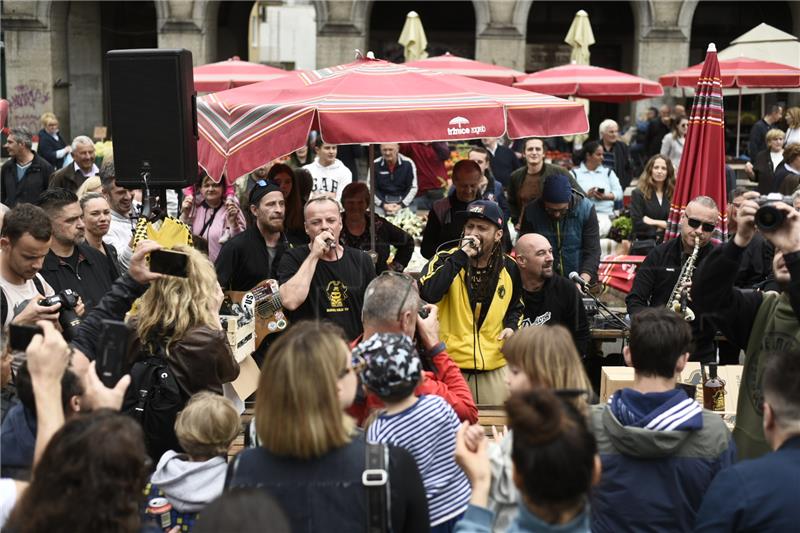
x,y
67,317
768,217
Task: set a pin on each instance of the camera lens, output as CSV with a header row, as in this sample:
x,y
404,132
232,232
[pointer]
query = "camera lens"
x,y
769,218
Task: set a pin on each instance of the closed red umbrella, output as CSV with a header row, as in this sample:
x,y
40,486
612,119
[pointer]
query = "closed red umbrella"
x,y
232,73
368,101
470,68
702,168
592,83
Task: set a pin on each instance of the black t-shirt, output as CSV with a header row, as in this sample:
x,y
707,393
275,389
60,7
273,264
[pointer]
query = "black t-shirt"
x,y
244,261
337,288
558,302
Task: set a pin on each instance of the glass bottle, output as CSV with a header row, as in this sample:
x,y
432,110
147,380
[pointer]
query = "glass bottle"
x,y
714,390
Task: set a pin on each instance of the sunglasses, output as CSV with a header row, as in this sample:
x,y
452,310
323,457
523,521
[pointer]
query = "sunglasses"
x,y
707,226
357,363
411,283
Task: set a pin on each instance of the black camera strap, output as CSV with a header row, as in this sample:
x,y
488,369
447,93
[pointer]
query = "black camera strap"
x,y
376,480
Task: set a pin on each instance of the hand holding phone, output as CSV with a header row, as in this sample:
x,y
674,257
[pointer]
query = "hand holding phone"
x,y
112,350
20,335
169,262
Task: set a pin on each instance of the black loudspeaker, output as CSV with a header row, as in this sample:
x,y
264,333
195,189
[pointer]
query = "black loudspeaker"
x,y
153,117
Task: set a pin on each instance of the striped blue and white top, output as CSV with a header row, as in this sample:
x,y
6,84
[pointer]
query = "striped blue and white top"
x,y
427,430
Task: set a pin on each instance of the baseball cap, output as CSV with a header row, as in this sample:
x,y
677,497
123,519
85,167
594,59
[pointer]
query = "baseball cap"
x,y
393,368
485,209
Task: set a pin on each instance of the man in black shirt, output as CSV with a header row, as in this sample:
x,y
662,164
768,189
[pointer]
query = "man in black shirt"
x,y
658,274
254,255
71,263
549,299
755,268
325,280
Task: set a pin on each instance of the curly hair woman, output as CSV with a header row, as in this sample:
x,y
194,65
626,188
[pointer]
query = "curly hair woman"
x,y
650,201
90,478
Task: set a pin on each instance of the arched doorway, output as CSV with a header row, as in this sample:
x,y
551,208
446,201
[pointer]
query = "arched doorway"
x,y
91,29
720,23
233,23
613,28
449,27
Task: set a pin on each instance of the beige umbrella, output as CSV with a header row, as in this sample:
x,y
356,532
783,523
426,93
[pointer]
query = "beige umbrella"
x,y
580,37
413,39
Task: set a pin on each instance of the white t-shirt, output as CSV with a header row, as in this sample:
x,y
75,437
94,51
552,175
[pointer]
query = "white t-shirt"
x,y
330,180
18,295
8,498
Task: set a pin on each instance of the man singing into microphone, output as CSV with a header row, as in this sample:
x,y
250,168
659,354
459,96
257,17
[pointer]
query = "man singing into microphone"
x,y
325,280
477,288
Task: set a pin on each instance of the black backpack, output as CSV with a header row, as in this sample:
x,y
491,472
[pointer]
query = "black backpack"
x,y
154,400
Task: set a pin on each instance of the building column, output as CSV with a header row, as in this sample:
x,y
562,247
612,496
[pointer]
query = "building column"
x,y
189,25
341,30
500,33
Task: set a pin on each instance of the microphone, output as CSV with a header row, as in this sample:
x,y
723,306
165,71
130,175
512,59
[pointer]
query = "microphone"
x,y
575,277
330,243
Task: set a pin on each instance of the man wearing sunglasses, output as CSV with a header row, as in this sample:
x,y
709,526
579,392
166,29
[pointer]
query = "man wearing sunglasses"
x,y
658,274
477,289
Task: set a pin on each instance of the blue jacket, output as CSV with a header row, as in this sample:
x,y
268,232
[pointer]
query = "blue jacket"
x,y
398,185
654,479
575,237
756,495
479,520
17,442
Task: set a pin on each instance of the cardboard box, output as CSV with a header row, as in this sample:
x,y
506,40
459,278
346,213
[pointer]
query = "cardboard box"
x,y
613,378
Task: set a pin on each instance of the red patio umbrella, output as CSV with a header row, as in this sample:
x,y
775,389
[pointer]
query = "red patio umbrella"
x,y
450,64
232,73
368,101
739,73
702,168
592,83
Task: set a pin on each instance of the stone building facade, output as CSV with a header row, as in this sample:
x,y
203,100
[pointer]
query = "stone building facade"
x,y
54,49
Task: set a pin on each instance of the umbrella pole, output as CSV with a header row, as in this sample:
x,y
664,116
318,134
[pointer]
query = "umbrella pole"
x,y
373,253
739,123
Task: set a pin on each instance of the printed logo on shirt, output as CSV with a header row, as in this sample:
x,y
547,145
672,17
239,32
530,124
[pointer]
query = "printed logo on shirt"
x,y
501,291
540,320
337,294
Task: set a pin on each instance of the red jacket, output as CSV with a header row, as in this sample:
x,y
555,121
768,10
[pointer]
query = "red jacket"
x,y
447,383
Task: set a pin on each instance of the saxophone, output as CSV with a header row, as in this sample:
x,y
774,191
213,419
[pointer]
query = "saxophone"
x,y
679,298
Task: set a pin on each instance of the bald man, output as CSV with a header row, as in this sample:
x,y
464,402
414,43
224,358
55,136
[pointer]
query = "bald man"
x,y
548,297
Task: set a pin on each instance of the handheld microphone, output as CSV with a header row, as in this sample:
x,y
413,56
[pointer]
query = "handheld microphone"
x,y
330,243
575,277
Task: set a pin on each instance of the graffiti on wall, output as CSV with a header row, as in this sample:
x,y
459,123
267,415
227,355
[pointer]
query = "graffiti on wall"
x,y
27,102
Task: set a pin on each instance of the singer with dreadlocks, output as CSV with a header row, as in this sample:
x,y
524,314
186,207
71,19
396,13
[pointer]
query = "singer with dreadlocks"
x,y
477,288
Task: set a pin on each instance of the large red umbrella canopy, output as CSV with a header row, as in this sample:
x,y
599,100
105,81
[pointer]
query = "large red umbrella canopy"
x,y
702,168
592,83
470,68
740,72
367,101
232,73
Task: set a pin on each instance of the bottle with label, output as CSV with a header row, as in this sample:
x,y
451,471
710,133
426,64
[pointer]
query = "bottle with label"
x,y
714,390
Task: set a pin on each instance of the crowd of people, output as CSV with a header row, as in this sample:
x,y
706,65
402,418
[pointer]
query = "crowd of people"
x,y
366,414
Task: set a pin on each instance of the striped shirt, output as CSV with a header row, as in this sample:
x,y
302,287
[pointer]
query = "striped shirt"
x,y
427,430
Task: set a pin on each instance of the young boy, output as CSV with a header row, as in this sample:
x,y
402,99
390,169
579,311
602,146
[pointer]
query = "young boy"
x,y
425,426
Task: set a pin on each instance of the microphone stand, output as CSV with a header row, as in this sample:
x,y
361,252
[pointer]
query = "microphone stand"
x,y
600,305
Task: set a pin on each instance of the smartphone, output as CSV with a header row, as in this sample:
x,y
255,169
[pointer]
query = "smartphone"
x,y
112,350
20,336
601,191
169,262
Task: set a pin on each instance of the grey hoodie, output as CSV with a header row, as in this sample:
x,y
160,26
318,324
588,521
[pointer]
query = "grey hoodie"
x,y
189,485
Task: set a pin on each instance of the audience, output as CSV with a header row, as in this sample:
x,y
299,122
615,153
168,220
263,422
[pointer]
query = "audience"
x,y
91,185
72,176
286,178
25,175
765,162
243,511
52,146
330,175
212,213
672,143
600,183
787,175
616,155
650,204
97,222
395,180
309,451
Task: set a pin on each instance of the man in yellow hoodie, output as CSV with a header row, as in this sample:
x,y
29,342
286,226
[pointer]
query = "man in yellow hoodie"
x,y
477,288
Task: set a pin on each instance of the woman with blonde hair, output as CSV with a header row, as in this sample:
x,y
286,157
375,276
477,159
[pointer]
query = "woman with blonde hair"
x,y
793,120
92,184
539,357
650,203
767,162
310,451
178,319
52,146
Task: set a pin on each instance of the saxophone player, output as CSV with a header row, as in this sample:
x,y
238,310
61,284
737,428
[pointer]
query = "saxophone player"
x,y
657,279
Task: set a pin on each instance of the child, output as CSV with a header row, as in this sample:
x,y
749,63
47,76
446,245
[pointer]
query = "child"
x,y
205,429
425,426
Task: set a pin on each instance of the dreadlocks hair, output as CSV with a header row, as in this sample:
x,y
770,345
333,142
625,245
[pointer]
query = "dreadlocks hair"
x,y
488,282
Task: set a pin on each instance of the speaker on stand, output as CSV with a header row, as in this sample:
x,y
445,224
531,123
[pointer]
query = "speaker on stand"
x,y
153,118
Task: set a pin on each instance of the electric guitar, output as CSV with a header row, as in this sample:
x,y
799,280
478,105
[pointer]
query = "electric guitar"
x,y
264,303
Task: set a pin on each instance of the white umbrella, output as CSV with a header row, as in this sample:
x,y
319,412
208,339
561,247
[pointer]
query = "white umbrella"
x,y
413,38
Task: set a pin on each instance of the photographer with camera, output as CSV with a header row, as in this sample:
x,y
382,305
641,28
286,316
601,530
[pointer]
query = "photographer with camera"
x,y
24,243
756,322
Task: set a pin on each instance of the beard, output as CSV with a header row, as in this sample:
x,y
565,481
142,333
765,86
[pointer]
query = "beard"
x,y
272,225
